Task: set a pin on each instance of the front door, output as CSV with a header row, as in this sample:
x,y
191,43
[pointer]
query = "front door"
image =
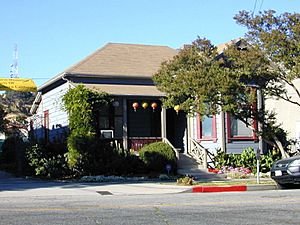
x,y
176,129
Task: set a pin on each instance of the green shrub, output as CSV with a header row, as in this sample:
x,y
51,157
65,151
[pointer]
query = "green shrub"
x,y
48,160
247,159
87,154
268,160
157,155
78,148
125,165
185,181
223,159
13,155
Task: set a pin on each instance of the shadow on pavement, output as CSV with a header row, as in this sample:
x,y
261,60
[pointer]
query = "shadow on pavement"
x,y
9,182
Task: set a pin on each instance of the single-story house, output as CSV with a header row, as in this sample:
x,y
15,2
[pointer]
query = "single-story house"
x,y
136,116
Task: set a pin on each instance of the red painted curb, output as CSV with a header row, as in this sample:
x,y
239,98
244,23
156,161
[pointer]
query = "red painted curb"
x,y
219,188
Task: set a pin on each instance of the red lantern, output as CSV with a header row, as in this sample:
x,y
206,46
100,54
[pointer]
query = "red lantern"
x,y
135,105
154,106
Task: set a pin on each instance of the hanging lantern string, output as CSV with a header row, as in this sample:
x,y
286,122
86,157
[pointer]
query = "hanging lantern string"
x,y
154,106
177,108
135,105
145,105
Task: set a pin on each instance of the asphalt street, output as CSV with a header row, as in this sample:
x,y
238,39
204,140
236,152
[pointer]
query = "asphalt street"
x,y
262,207
38,202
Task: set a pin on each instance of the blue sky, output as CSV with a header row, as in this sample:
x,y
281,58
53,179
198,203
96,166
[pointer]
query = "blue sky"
x,y
54,34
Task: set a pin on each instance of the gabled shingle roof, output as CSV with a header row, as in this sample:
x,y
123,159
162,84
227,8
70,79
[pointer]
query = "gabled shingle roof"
x,y
124,60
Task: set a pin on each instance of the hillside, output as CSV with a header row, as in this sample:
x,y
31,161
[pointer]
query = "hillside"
x,y
17,104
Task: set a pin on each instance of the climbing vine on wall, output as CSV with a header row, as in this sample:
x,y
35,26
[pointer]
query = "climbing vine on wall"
x,y
82,106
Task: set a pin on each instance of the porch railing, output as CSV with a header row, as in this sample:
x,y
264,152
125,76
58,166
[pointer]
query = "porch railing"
x,y
136,143
165,140
201,154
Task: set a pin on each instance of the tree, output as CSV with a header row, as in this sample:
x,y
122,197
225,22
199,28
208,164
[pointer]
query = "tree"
x,y
278,37
3,121
203,79
17,106
17,102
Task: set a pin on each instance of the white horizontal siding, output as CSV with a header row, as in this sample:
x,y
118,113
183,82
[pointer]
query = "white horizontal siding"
x,y
52,101
239,146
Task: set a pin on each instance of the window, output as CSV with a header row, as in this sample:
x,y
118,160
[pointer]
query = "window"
x,y
118,118
238,130
207,129
104,118
111,118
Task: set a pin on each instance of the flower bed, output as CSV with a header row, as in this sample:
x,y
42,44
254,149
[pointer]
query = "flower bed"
x,y
231,172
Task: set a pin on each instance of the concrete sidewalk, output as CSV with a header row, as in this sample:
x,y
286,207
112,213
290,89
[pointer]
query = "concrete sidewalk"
x,y
159,188
13,186
59,189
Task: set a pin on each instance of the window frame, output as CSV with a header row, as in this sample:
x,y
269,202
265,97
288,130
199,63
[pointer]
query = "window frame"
x,y
231,137
200,136
46,124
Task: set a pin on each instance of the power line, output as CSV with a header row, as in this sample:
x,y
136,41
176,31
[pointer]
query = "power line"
x,y
262,2
254,8
253,11
14,69
38,78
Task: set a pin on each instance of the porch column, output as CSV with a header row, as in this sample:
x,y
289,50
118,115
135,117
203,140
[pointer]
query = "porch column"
x,y
223,132
125,133
190,134
163,123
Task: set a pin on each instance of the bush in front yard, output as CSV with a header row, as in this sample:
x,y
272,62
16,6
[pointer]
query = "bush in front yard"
x,y
157,155
48,160
12,157
247,159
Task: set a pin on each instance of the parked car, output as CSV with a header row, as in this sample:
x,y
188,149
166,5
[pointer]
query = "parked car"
x,y
286,172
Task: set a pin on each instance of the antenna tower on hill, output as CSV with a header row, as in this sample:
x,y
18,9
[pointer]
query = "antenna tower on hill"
x,y
14,70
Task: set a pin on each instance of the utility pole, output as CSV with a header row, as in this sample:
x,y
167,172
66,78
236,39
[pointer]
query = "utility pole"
x,y
14,68
260,108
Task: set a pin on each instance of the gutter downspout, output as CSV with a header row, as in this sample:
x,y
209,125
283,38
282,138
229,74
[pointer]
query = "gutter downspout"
x,y
67,80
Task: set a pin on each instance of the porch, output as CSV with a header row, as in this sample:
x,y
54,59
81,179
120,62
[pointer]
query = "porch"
x,y
136,121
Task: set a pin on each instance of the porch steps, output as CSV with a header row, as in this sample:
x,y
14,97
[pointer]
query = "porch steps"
x,y
186,165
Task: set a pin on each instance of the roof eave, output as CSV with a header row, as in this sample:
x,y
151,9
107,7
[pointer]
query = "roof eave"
x,y
36,103
51,81
106,76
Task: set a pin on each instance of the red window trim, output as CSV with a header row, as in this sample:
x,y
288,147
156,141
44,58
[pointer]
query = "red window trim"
x,y
46,124
231,138
200,137
46,119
